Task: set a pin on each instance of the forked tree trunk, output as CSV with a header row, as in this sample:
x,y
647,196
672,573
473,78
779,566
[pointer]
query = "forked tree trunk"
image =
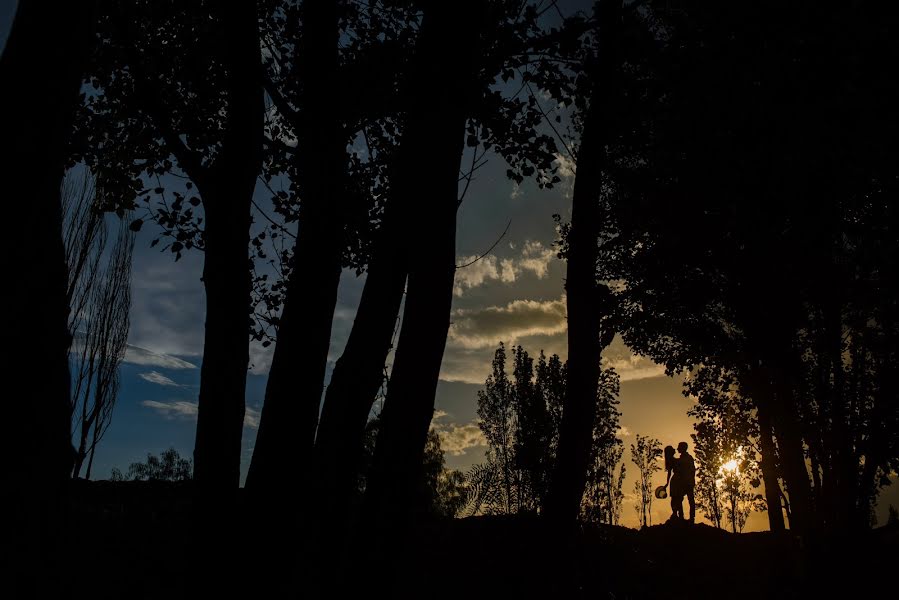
x,y
359,372
443,87
286,435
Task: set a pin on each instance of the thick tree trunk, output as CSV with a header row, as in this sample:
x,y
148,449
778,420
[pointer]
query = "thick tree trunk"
x,y
586,339
40,74
293,395
41,82
226,189
223,374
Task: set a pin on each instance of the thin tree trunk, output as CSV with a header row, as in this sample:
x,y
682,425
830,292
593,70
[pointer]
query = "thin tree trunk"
x,y
226,189
293,396
359,372
769,460
586,339
792,458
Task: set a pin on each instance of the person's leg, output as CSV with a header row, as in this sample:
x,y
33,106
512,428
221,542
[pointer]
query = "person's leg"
x,y
692,502
677,504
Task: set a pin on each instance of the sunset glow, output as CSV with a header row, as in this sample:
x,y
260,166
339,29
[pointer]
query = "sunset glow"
x,y
730,466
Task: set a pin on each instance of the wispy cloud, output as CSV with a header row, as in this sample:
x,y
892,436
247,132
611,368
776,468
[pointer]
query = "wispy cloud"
x,y
567,170
457,439
251,418
185,409
534,258
173,409
141,356
157,378
484,328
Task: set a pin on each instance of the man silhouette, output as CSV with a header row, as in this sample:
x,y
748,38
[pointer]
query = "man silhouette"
x,y
685,473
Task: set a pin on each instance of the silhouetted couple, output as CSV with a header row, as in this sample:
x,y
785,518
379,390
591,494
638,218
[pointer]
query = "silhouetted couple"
x,y
682,477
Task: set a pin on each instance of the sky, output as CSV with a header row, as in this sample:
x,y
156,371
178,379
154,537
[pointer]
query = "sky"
x,y
514,294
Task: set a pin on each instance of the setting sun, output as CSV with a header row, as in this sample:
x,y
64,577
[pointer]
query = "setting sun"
x,y
730,465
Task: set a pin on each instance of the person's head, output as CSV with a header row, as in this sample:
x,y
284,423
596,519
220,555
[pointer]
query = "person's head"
x,y
669,457
682,447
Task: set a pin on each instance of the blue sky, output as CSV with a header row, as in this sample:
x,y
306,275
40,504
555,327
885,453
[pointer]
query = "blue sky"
x,y
515,295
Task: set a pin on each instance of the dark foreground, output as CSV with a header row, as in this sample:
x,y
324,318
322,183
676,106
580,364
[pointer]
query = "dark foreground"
x,y
137,540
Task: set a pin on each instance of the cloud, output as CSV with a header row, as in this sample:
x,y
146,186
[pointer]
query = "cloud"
x,y
457,439
623,432
567,166
261,358
185,409
630,366
157,378
251,418
168,308
484,328
476,274
534,257
567,170
141,356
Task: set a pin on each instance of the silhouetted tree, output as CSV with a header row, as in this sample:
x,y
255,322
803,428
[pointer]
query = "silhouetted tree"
x,y
727,430
737,497
168,466
603,493
589,332
296,379
495,483
494,118
175,82
519,417
99,297
734,223
442,492
708,451
645,454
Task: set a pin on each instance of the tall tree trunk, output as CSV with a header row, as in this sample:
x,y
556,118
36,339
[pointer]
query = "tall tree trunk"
x,y
359,372
442,85
585,299
770,323
40,72
792,456
769,469
226,189
42,83
293,395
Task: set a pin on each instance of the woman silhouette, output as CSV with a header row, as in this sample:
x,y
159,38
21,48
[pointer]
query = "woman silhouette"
x,y
676,492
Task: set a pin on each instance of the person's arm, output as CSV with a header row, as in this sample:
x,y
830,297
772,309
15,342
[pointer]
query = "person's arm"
x,y
668,480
